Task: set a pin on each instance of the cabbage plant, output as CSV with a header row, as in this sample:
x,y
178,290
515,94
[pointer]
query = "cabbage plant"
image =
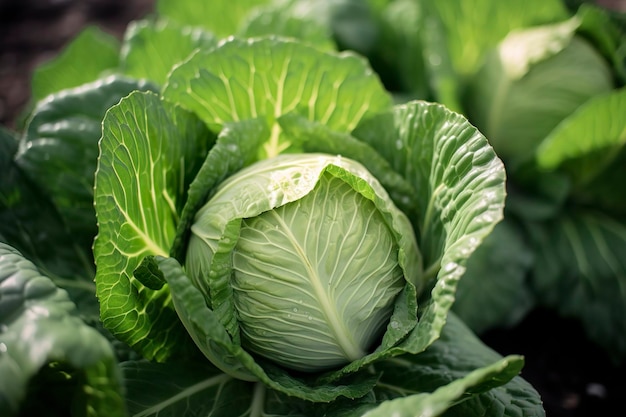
x,y
535,79
272,206
274,237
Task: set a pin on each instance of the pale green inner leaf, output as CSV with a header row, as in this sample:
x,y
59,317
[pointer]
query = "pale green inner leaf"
x,y
323,269
266,77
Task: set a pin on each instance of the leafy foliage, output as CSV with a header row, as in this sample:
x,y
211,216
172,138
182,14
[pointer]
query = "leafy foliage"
x,y
179,106
40,332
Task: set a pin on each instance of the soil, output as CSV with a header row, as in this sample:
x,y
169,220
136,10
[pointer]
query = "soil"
x,y
574,377
33,31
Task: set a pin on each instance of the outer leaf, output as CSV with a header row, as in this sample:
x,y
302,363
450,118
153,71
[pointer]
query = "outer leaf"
x,y
149,153
59,150
597,126
534,80
151,48
473,27
459,183
589,147
474,381
177,389
460,364
39,328
97,53
443,398
581,272
214,341
25,211
220,17
182,389
270,77
496,277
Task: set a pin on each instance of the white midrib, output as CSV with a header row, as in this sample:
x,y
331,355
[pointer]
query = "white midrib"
x,y
350,349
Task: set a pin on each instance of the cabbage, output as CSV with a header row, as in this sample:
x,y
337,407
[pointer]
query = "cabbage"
x,y
315,259
530,83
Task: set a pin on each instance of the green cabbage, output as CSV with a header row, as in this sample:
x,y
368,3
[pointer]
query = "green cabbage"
x,y
530,83
315,269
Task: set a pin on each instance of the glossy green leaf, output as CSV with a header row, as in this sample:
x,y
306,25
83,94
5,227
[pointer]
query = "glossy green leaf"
x,y
95,50
180,389
268,77
282,19
223,18
581,272
531,82
149,153
26,212
596,126
442,399
41,334
473,379
496,277
474,27
59,149
237,146
459,184
151,48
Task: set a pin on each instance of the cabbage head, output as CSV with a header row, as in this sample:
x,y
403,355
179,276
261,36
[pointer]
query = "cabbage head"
x,y
531,82
314,245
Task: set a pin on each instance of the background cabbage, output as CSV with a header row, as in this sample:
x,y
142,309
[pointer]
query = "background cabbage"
x,y
533,80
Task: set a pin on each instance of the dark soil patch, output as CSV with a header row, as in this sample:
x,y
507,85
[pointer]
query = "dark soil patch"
x,y
574,376
33,31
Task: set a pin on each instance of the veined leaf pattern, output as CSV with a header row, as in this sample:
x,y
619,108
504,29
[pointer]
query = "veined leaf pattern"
x,y
269,77
150,151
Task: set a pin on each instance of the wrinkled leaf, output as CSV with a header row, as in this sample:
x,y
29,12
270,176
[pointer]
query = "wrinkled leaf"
x,y
40,333
59,149
496,277
268,77
149,153
459,183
